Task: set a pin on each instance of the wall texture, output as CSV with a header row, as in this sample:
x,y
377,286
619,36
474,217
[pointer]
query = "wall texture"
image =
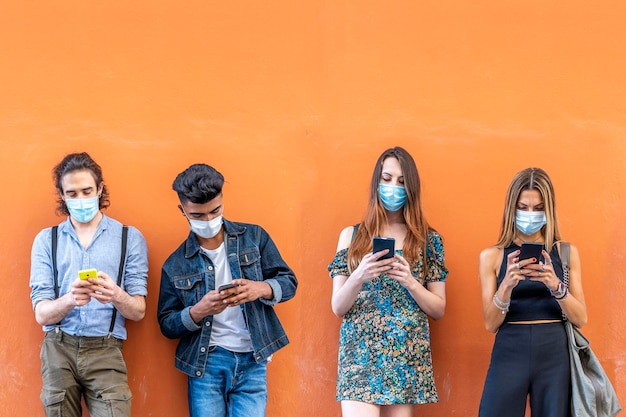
x,y
293,101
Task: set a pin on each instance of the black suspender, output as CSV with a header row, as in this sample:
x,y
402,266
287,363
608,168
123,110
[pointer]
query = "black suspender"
x,y
54,263
120,273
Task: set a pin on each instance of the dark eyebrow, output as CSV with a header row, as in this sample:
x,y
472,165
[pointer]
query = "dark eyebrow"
x,y
196,213
401,177
72,190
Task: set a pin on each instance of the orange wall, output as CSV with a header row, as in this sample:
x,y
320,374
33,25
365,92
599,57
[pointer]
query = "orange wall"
x,y
293,101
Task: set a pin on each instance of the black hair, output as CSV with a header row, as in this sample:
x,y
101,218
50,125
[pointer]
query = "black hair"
x,y
78,162
199,184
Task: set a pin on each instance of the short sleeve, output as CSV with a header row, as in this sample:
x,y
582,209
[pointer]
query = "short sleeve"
x,y
339,265
435,259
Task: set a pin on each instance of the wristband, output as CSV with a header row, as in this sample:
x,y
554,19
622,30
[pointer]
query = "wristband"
x,y
560,292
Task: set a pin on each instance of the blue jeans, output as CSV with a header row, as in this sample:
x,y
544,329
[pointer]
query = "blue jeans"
x,y
234,385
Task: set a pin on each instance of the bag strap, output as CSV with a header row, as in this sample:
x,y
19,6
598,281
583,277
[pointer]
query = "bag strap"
x,y
565,264
565,261
120,273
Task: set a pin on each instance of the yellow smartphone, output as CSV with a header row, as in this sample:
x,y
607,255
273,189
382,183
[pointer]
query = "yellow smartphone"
x,y
88,273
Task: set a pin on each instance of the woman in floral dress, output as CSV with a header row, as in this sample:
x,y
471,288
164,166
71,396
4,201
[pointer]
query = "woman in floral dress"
x,y
385,365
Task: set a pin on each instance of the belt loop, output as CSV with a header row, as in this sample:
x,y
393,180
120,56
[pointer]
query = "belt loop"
x,y
59,335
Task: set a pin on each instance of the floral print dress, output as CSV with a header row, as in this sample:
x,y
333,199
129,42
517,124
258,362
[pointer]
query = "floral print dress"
x,y
384,341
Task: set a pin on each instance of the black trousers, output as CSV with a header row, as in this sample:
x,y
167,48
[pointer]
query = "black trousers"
x,y
528,361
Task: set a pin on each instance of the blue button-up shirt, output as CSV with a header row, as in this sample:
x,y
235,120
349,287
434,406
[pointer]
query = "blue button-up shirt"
x,y
103,254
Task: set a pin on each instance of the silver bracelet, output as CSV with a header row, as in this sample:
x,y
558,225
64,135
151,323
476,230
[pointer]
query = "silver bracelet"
x,y
500,305
564,296
560,292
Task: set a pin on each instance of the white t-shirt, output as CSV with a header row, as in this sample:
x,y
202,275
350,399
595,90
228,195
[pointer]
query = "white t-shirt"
x,y
229,327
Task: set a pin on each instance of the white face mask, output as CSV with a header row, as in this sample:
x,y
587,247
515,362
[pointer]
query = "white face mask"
x,y
206,229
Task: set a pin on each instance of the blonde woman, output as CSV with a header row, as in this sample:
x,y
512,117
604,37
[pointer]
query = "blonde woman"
x,y
523,303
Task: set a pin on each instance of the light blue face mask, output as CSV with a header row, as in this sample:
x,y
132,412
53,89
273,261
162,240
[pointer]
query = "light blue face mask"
x,y
83,210
393,197
529,222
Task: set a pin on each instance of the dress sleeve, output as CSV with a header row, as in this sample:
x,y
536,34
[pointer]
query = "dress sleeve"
x,y
435,258
339,265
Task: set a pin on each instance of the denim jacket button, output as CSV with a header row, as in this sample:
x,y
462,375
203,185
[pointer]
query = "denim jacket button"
x,y
202,349
198,373
210,268
207,323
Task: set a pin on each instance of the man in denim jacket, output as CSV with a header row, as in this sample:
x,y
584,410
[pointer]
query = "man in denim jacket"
x,y
226,335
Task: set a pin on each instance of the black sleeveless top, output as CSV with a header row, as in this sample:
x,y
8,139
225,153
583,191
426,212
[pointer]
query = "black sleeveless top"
x,y
531,300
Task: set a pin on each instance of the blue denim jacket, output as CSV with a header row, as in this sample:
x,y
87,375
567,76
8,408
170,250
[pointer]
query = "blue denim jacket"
x,y
188,274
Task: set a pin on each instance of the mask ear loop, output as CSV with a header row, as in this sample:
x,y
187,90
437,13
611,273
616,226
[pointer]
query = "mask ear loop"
x,y
182,210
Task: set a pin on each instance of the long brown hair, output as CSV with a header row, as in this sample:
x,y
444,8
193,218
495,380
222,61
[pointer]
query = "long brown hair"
x,y
530,179
376,216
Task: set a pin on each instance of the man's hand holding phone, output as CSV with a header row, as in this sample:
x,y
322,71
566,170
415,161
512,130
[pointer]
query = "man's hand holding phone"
x,y
244,290
82,288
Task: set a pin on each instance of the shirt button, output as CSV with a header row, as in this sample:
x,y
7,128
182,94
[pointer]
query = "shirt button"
x,y
202,349
198,373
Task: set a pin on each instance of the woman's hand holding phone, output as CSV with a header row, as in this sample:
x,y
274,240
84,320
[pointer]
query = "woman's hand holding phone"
x,y
373,265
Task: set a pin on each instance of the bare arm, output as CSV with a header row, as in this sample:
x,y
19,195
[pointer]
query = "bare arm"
x,y
574,304
49,312
346,288
489,264
431,298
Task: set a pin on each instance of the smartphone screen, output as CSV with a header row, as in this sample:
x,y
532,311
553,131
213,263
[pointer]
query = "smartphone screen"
x,y
380,243
531,250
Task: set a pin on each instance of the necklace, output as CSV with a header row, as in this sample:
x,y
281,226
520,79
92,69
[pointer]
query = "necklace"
x,y
519,239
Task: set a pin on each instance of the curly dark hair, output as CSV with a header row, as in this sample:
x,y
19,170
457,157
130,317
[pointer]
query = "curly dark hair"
x,y
78,162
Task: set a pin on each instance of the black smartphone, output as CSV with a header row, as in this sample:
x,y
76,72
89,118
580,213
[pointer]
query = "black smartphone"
x,y
380,243
226,287
531,250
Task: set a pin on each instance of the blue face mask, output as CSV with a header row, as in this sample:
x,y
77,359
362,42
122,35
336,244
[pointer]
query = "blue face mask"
x,y
83,210
393,197
529,222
